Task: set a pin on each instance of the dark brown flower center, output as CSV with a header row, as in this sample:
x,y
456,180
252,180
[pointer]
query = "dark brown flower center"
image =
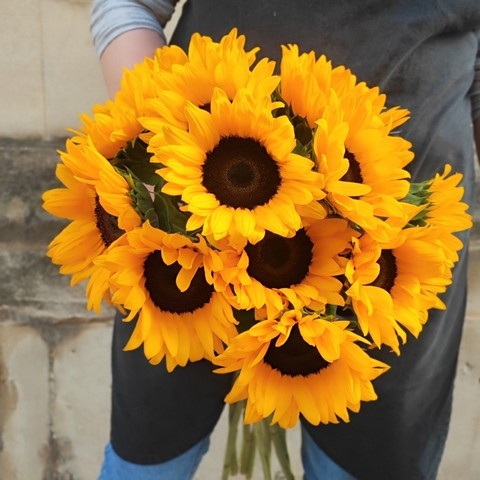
x,y
160,283
354,172
278,262
106,224
388,271
295,357
241,173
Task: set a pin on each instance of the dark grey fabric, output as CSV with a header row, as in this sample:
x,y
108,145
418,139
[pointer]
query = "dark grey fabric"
x,y
422,54
158,415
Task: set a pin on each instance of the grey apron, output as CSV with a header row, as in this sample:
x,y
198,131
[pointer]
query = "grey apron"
x,y
422,56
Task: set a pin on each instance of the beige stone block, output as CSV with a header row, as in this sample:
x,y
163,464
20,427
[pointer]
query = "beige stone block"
x,y
461,459
81,410
473,303
72,75
21,69
24,397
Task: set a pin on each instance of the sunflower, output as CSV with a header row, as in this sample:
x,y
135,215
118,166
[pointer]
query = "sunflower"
x,y
363,165
116,122
424,246
235,170
95,222
301,270
371,276
439,206
300,364
306,83
161,278
195,82
139,86
209,65
401,279
226,65
444,206
354,145
81,240
111,125
98,126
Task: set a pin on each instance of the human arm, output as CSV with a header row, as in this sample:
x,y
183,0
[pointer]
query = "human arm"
x,y
125,51
125,32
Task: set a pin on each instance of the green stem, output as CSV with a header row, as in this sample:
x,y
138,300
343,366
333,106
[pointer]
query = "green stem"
x,y
249,446
264,444
230,464
279,439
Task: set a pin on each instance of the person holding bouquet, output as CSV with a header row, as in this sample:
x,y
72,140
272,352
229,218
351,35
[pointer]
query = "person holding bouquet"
x,y
425,58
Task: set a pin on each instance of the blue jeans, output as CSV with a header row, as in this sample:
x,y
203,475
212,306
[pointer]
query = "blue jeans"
x,y
316,465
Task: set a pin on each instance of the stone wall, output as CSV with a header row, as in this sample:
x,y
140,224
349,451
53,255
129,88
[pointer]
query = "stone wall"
x,y
54,355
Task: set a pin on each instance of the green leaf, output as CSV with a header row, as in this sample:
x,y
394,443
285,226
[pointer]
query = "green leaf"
x,y
146,172
418,194
330,310
303,132
162,210
169,214
143,200
152,217
303,150
135,158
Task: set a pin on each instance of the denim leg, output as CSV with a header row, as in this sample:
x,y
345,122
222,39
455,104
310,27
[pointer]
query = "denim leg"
x,y
317,465
182,467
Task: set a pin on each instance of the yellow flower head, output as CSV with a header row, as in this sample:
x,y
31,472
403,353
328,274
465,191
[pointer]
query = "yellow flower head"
x,y
99,127
362,160
371,276
307,83
394,285
96,200
235,170
162,278
301,270
301,364
113,124
363,165
209,65
226,65
75,247
445,208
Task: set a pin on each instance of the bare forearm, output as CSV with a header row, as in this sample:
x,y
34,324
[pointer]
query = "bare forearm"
x,y
125,51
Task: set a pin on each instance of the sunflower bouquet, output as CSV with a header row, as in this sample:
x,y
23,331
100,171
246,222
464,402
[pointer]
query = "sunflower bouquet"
x,y
265,222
